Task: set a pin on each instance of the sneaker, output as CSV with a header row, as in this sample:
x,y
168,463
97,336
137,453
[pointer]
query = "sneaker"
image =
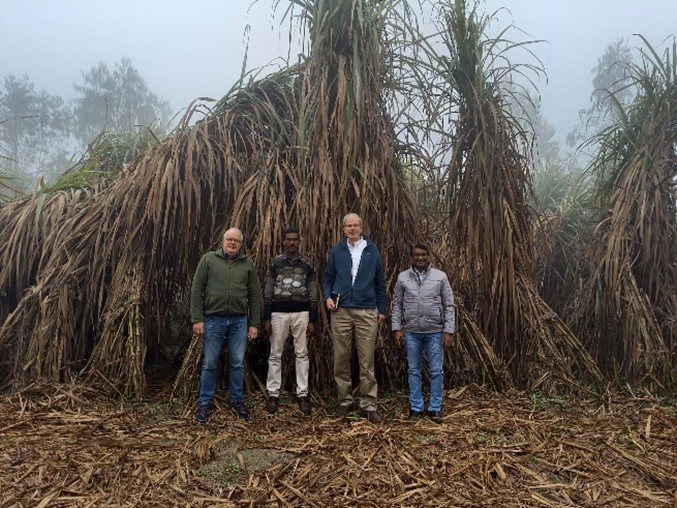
x,y
202,415
435,416
342,411
271,404
373,417
304,405
415,414
242,411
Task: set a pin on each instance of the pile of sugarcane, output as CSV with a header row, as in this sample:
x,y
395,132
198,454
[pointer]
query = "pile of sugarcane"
x,y
95,278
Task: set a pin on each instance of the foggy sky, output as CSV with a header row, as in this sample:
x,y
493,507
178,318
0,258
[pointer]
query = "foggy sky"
x,y
187,49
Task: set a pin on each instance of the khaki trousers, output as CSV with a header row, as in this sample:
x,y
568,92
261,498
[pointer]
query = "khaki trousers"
x,y
283,323
364,323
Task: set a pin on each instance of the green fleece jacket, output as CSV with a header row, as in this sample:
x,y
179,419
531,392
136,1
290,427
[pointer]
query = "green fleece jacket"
x,y
224,287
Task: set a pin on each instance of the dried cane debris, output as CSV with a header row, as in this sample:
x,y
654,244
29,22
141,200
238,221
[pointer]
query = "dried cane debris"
x,y
67,445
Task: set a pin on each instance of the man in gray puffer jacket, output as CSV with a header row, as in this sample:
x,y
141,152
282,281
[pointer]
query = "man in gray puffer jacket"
x,y
425,315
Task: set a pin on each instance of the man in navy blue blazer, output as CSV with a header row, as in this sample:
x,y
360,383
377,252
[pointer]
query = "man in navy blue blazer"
x,y
354,289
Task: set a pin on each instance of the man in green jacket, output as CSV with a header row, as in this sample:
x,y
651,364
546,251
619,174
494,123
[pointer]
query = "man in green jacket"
x,y
223,297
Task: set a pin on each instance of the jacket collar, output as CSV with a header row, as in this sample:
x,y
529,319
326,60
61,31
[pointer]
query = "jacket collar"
x,y
420,275
220,253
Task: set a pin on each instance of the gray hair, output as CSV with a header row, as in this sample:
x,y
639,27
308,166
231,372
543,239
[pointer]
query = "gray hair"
x,y
351,215
239,231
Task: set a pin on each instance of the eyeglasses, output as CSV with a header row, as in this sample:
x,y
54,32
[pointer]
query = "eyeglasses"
x,y
234,240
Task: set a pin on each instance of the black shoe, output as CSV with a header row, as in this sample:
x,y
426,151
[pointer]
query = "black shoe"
x,y
271,404
373,417
304,405
202,415
342,411
242,411
435,416
415,414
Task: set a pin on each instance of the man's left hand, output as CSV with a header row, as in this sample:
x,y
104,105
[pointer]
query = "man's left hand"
x,y
446,340
310,331
252,333
381,319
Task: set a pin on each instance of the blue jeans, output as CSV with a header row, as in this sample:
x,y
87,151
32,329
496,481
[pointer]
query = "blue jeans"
x,y
234,330
432,343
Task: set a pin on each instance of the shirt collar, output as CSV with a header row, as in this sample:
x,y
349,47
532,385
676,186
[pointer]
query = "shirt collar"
x,y
298,258
352,246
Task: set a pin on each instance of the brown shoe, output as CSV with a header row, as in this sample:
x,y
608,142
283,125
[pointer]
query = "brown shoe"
x,y
342,411
373,417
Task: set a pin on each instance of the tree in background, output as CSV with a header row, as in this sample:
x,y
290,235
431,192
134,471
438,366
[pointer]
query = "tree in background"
x,y
610,83
553,170
562,201
116,101
33,127
39,132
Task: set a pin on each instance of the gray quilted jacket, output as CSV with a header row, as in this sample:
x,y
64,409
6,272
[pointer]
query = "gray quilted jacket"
x,y
423,303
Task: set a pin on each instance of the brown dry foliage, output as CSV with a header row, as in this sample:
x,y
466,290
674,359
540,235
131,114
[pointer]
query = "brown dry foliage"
x,y
71,446
628,310
491,254
152,224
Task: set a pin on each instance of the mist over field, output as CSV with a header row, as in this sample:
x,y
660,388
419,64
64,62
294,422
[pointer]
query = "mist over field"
x,y
185,50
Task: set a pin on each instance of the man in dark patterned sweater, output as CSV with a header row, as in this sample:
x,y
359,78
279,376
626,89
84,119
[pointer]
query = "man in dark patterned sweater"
x,y
290,305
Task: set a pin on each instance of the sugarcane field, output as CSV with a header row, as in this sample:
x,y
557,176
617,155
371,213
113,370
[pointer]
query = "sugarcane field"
x,y
368,272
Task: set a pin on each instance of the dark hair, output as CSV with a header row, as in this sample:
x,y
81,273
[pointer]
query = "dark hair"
x,y
420,246
287,231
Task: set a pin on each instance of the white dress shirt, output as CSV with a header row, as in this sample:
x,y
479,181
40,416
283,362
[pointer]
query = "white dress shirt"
x,y
356,250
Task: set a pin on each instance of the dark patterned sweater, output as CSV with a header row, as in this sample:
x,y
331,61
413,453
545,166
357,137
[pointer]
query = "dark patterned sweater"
x,y
290,287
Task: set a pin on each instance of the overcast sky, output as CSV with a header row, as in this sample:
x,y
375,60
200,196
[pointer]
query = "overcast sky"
x,y
187,49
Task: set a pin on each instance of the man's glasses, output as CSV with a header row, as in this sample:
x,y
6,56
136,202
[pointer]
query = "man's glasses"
x,y
233,240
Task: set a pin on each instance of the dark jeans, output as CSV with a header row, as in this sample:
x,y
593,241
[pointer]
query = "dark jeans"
x,y
234,330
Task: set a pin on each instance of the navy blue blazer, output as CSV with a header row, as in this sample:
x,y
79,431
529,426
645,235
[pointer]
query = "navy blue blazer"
x,y
369,289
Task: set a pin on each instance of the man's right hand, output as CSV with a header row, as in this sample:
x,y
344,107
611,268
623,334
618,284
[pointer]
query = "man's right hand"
x,y
199,329
397,337
331,305
268,327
